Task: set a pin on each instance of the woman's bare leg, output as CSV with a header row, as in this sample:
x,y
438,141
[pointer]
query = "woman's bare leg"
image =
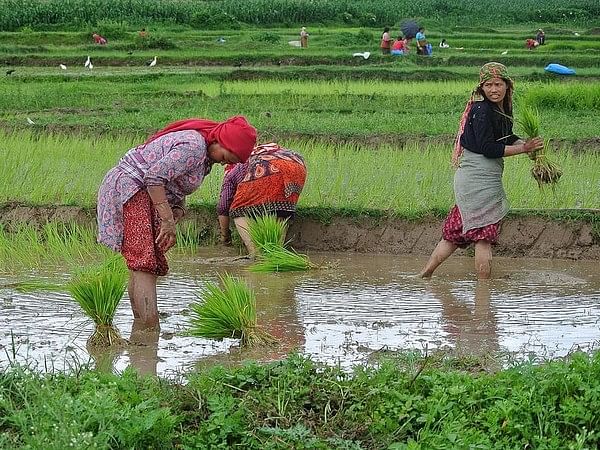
x,y
241,223
483,259
142,295
441,252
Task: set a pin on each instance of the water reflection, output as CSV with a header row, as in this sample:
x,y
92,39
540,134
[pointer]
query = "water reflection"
x,y
338,316
469,319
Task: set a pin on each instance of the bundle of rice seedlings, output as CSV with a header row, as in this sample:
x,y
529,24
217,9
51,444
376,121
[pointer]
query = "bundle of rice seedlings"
x,y
267,230
275,258
544,171
98,290
228,312
268,234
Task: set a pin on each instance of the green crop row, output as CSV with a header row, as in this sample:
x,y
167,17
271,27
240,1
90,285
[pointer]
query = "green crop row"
x,y
408,181
97,104
16,14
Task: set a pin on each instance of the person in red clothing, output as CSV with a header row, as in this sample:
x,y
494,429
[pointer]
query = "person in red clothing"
x,y
400,46
141,199
531,44
270,182
386,41
99,39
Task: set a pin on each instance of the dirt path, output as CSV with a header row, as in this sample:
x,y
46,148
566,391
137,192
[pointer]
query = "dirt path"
x,y
522,235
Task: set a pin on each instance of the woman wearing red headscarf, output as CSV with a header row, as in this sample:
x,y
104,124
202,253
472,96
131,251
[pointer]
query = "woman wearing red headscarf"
x,y
142,198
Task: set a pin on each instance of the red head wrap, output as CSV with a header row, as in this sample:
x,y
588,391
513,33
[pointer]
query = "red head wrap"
x,y
234,134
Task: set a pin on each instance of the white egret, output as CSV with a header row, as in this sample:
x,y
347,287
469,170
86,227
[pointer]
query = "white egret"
x,y
153,62
62,66
87,62
504,52
30,122
365,55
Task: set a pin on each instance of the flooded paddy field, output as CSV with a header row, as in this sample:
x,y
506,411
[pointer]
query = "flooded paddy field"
x,y
358,307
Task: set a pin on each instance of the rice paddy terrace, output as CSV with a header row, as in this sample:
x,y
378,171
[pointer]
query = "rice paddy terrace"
x,y
376,134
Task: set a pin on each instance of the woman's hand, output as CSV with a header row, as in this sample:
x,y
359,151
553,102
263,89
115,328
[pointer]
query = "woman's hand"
x,y
167,235
533,144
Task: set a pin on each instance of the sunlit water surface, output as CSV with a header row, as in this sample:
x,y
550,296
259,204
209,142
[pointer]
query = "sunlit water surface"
x,y
339,315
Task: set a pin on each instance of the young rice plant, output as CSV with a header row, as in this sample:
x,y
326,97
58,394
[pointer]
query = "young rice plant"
x,y
228,312
544,171
268,234
98,290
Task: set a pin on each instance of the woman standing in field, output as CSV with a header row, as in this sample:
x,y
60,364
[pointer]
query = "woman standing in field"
x,y
484,138
141,199
270,182
386,41
303,37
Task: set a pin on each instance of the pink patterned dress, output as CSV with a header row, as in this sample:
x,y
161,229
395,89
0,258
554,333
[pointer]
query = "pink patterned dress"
x,y
178,161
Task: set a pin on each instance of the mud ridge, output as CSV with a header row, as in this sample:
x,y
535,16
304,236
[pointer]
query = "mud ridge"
x,y
522,234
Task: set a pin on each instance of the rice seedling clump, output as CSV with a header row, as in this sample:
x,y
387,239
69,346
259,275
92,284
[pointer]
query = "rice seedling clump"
x,y
228,312
98,289
544,171
268,235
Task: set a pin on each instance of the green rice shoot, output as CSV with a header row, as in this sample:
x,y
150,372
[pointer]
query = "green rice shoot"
x,y
279,259
544,171
228,312
268,235
267,231
98,289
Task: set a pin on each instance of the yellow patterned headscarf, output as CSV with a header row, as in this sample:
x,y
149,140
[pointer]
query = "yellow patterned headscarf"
x,y
487,72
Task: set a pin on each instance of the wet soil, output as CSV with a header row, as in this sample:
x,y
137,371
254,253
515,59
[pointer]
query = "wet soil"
x,y
522,235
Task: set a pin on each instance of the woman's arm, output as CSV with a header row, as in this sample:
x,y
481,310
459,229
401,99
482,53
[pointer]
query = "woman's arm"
x,y
521,146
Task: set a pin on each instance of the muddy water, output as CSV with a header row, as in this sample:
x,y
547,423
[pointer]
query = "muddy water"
x,y
340,315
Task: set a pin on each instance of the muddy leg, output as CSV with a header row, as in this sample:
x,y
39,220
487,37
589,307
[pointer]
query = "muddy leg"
x,y
442,251
142,295
241,223
483,259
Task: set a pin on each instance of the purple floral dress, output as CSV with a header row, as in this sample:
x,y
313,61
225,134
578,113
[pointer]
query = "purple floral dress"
x,y
178,161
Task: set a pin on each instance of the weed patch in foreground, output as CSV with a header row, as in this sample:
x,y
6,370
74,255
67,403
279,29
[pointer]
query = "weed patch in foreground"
x,y
403,403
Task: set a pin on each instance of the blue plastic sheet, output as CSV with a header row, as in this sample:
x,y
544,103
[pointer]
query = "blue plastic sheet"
x,y
559,69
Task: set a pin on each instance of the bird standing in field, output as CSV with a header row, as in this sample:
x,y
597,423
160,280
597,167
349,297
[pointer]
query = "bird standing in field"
x,y
504,52
87,62
30,122
62,66
153,62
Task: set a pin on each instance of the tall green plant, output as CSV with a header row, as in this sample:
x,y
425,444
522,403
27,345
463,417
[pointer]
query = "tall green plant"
x,y
544,171
227,312
268,236
98,290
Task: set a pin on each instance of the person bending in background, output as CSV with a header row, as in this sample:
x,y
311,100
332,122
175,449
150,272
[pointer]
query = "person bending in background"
x,y
141,200
270,182
400,46
484,139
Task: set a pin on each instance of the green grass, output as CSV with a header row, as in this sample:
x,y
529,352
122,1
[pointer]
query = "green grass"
x,y
408,181
405,403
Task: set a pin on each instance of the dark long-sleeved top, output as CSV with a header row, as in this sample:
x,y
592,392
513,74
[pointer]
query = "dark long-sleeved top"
x,y
487,130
